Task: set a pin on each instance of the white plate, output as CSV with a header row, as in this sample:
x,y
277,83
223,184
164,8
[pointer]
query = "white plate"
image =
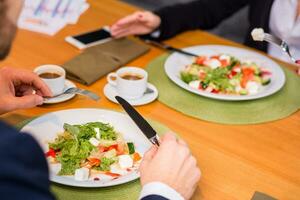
x,y
62,98
176,63
45,128
110,92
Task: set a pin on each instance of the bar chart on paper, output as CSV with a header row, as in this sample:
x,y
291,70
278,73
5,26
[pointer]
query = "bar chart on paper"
x,y
50,16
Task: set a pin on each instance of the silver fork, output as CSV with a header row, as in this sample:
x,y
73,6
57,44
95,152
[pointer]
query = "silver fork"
x,y
74,90
282,44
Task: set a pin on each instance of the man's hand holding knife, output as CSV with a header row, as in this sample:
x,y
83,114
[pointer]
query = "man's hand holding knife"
x,y
169,162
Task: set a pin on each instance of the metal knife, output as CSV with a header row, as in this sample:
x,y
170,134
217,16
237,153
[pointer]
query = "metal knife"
x,y
168,47
143,125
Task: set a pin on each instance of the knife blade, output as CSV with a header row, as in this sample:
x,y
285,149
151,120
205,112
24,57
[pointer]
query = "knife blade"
x,y
143,125
169,48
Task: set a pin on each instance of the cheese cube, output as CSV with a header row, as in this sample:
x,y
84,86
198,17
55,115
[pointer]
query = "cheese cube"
x,y
94,141
125,161
82,174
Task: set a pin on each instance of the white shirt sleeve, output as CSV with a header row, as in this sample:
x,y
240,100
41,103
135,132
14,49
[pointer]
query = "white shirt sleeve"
x,y
161,189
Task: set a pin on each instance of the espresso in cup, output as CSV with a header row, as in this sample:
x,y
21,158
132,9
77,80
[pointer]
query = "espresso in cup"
x,y
130,82
49,75
132,77
54,76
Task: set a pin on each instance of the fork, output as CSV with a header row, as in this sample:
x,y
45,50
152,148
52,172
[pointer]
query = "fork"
x,y
74,90
282,44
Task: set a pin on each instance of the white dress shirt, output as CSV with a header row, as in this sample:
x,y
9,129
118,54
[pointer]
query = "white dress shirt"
x,y
161,189
285,24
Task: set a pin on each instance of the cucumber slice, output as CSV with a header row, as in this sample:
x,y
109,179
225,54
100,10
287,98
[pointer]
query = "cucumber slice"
x,y
266,81
243,92
131,148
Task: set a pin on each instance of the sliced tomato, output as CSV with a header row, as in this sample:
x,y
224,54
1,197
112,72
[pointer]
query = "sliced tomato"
x,y
115,175
51,153
215,56
215,91
94,161
136,157
102,149
118,147
224,62
248,74
233,73
200,60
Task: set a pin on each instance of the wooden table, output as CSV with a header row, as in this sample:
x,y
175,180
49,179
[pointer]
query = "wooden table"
x,y
236,161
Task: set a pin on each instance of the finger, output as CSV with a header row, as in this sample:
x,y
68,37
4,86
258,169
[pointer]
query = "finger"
x,y
127,20
148,156
32,79
121,33
169,136
182,142
28,101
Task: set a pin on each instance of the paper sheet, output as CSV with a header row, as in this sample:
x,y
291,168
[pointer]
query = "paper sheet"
x,y
50,16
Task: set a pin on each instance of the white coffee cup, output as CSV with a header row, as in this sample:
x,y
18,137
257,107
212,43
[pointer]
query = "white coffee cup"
x,y
127,88
57,84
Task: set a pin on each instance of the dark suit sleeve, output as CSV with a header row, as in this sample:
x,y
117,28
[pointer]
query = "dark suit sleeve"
x,y
154,197
23,168
203,14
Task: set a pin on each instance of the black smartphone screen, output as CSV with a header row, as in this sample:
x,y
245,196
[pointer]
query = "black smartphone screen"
x,y
93,36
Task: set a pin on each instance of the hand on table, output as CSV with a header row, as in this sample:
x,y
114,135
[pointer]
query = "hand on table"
x,y
20,89
138,23
171,164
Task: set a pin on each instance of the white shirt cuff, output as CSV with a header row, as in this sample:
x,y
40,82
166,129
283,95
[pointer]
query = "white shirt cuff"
x,y
161,189
155,34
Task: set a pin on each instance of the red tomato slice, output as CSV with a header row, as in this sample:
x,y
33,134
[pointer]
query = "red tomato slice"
x,y
136,157
51,153
224,62
115,175
200,60
94,161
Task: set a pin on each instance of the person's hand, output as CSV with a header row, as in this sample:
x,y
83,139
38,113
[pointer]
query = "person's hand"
x,y
171,164
138,23
20,89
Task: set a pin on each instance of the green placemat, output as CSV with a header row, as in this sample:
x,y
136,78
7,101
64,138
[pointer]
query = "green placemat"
x,y
127,191
277,106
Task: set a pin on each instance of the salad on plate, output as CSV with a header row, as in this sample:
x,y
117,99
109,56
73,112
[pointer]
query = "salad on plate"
x,y
92,151
225,74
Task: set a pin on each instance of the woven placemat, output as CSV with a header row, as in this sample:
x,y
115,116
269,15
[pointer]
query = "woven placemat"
x,y
277,106
127,191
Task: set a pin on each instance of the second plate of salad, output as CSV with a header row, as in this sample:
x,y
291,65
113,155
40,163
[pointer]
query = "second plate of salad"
x,y
225,73
89,147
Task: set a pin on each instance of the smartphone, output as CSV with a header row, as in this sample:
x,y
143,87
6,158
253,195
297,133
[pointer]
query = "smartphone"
x,y
89,39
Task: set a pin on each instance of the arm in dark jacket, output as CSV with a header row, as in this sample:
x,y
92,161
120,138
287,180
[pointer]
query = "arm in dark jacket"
x,y
203,14
23,168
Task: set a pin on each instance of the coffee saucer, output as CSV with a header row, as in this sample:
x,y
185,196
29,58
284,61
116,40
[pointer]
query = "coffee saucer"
x,y
62,98
110,92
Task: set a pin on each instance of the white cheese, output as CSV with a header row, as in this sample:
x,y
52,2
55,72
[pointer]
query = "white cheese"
x,y
94,141
225,57
115,168
97,130
258,34
82,174
252,87
213,63
125,161
194,84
